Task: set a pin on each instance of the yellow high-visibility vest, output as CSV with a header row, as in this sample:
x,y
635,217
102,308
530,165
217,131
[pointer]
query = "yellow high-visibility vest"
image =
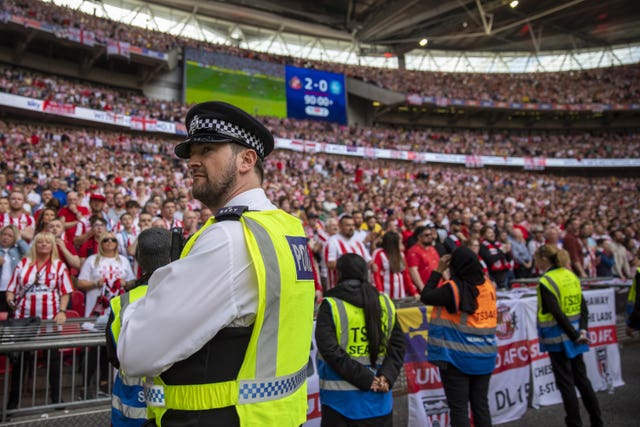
x,y
271,387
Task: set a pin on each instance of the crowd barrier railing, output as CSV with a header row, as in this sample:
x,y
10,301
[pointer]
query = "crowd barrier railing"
x,y
40,356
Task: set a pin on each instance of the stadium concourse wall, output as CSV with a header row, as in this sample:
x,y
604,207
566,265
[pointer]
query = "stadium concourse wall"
x,y
173,128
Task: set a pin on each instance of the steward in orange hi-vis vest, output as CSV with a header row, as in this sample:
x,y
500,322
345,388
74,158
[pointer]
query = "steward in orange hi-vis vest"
x,y
468,341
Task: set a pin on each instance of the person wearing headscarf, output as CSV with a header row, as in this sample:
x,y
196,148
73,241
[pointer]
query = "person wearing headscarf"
x,y
462,334
360,350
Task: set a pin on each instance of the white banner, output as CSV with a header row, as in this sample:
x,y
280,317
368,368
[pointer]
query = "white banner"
x,y
602,360
519,360
509,386
16,101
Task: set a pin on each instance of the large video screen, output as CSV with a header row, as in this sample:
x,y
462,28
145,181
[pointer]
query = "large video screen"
x,y
264,89
258,94
316,95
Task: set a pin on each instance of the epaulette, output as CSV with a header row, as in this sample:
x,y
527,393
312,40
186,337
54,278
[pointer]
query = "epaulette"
x,y
231,213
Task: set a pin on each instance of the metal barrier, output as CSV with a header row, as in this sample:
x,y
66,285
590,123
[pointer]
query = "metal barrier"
x,y
28,353
47,366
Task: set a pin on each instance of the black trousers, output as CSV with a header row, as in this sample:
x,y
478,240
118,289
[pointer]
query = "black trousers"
x,y
569,374
92,359
23,362
332,418
461,390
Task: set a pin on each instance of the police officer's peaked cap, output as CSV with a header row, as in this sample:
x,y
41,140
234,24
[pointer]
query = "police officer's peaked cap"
x,y
221,122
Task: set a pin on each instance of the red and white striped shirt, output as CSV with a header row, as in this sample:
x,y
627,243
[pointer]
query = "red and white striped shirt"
x,y
38,291
339,245
22,221
171,224
392,284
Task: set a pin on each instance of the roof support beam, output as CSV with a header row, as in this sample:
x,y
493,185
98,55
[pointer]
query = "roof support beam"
x,y
486,23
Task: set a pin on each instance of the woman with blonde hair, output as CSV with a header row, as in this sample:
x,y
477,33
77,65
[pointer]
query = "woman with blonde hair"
x,y
40,287
562,328
103,276
40,284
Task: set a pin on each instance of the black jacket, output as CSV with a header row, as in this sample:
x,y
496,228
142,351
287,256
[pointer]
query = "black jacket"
x,y
348,368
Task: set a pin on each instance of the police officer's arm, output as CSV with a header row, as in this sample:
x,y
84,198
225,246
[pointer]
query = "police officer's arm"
x,y
188,302
394,359
112,356
349,369
550,305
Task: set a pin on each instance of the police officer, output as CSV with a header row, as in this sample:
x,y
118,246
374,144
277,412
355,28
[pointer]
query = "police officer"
x,y
225,331
128,408
562,329
360,349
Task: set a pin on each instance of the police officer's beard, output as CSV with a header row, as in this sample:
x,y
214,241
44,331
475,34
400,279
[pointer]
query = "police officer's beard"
x,y
214,193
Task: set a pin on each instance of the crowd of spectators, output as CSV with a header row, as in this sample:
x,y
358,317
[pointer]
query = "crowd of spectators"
x,y
62,90
104,29
72,166
617,85
549,144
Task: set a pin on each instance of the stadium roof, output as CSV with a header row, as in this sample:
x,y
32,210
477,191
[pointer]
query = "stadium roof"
x,y
463,25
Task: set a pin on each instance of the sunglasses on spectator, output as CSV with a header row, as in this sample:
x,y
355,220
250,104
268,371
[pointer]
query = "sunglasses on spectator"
x,y
110,239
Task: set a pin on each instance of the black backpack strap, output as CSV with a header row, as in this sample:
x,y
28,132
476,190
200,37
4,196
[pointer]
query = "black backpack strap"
x,y
231,213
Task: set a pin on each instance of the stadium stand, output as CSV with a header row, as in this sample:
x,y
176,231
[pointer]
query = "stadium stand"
x,y
46,156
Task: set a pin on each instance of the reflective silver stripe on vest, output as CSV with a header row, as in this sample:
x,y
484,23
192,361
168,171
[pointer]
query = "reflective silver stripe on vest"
x,y
555,340
337,385
485,349
551,323
548,324
125,300
344,322
126,410
267,386
390,317
263,390
554,284
463,328
267,346
131,381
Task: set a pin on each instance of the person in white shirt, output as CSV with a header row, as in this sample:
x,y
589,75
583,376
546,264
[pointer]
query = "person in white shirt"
x,y
342,243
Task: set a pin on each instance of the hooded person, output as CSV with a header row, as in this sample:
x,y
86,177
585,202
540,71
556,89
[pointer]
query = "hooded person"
x,y
462,334
128,407
360,349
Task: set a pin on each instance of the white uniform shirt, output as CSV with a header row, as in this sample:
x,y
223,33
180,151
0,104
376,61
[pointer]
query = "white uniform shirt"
x,y
191,299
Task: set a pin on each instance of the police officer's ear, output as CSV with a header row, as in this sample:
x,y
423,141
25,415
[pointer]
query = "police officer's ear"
x,y
246,160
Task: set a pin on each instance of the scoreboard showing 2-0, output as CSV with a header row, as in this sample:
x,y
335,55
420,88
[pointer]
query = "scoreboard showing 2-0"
x,y
315,95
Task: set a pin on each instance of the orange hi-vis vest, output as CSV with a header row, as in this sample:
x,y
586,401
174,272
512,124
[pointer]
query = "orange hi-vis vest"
x,y
467,341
